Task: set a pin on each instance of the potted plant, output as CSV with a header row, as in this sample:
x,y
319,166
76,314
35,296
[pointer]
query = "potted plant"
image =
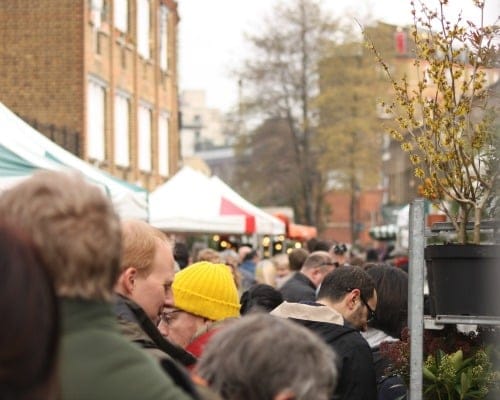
x,y
447,122
457,366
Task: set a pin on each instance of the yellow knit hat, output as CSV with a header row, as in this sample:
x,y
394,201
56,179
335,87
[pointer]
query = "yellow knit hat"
x,y
207,290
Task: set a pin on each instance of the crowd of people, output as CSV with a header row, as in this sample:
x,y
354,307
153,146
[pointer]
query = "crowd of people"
x,y
102,308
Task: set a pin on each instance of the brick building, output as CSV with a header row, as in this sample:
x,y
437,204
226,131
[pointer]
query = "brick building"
x,y
367,214
103,72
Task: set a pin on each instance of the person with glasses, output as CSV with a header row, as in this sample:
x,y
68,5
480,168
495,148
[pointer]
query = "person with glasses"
x,y
205,298
346,301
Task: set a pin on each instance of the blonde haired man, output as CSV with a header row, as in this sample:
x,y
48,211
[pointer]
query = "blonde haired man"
x,y
144,289
78,233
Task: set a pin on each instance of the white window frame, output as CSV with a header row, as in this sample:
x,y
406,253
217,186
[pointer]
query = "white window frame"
x,y
145,122
163,144
121,15
96,10
96,120
163,34
143,28
122,129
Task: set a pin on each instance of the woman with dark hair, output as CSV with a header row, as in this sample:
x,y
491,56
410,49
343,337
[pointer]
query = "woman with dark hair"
x,y
29,337
260,297
391,314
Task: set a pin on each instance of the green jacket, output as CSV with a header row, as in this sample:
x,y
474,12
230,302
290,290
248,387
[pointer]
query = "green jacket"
x,y
98,363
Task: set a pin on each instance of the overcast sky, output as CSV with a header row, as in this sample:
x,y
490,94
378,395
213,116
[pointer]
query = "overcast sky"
x,y
211,41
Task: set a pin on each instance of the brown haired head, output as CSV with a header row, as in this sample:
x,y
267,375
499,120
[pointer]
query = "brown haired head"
x,y
76,228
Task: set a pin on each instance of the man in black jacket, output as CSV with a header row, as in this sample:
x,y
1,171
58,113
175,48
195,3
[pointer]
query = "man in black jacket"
x,y
302,285
346,301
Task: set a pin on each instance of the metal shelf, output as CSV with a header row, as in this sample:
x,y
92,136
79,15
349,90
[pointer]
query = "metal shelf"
x,y
418,234
440,320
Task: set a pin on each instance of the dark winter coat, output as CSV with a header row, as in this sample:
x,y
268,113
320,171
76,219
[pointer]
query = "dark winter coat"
x,y
354,357
298,288
138,327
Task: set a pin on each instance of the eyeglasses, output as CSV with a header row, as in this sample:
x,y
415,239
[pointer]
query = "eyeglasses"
x,y
371,313
327,263
168,316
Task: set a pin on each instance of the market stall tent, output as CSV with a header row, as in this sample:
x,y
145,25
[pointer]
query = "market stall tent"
x,y
265,223
24,150
191,202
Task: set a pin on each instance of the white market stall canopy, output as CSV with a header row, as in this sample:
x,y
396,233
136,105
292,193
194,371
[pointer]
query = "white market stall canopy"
x,y
23,150
192,202
264,222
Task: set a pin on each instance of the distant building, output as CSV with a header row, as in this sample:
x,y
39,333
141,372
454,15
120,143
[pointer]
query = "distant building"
x,y
202,128
99,77
367,214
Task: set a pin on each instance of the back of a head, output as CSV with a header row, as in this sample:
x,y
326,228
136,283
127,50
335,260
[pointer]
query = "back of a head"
x,y
209,255
29,338
230,257
321,245
257,358
250,255
391,284
296,258
317,259
139,240
243,251
260,297
372,255
181,254
76,228
344,279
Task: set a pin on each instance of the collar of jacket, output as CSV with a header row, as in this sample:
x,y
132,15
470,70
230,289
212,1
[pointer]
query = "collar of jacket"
x,y
299,276
131,312
128,309
308,312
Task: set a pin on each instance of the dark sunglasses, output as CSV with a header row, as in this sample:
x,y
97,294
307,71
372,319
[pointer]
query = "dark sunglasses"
x,y
371,313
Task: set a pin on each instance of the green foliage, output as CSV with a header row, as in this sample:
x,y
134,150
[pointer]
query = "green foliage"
x,y
451,376
446,120
456,366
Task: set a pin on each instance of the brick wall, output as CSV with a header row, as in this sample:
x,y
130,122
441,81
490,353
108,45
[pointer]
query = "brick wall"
x,y
41,68
48,48
338,225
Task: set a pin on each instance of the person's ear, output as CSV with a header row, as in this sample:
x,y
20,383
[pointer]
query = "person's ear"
x,y
352,298
129,279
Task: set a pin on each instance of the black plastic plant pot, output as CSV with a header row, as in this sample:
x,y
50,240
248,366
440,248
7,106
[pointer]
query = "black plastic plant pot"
x,y
464,279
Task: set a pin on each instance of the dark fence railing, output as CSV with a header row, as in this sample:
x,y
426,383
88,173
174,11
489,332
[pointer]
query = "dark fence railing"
x,y
69,140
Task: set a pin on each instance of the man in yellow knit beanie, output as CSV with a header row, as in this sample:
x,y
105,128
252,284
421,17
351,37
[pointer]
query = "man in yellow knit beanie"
x,y
204,295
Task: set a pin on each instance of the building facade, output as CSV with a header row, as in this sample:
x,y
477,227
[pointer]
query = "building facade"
x,y
202,127
99,77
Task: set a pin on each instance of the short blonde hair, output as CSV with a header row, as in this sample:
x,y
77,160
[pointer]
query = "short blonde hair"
x,y
139,245
75,227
